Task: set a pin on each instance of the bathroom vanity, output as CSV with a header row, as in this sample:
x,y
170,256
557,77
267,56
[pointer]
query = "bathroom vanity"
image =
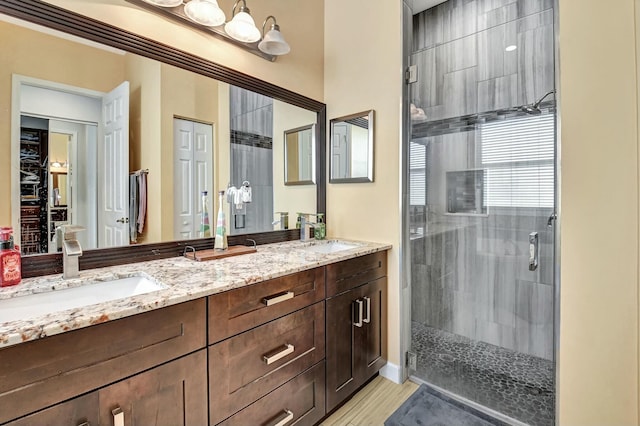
x,y
281,336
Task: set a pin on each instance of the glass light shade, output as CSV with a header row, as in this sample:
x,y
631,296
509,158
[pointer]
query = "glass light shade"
x,y
205,12
242,28
164,3
274,44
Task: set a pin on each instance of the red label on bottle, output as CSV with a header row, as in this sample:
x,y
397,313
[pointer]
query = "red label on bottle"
x,y
11,268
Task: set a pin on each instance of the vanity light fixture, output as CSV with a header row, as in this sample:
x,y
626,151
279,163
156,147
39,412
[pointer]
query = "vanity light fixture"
x,y
242,27
205,12
241,30
273,43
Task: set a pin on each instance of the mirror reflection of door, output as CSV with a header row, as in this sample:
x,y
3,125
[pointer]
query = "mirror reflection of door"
x,y
341,151
52,108
59,208
193,174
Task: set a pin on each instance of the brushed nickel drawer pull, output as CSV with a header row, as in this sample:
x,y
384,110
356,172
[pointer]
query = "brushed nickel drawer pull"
x,y
118,416
368,308
84,424
284,418
359,304
272,357
277,298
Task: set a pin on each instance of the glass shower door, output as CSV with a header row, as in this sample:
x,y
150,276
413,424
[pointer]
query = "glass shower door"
x,y
482,257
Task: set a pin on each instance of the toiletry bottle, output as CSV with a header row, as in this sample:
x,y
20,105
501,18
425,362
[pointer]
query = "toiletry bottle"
x,y
205,228
320,229
10,262
221,226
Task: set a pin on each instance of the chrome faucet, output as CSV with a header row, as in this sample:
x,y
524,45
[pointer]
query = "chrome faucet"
x,y
305,234
71,250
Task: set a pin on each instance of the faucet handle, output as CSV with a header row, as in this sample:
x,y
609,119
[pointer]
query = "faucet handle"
x,y
68,231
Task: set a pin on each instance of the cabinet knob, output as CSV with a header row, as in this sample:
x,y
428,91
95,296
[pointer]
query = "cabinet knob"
x,y
358,308
283,419
118,416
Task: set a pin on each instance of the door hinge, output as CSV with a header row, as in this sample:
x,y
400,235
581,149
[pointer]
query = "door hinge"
x,y
411,74
411,360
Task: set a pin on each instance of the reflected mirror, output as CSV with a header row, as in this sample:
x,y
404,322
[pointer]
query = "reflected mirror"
x,y
352,148
125,145
299,156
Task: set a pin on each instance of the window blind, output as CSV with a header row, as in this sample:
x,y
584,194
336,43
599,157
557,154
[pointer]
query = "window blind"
x,y
417,174
518,155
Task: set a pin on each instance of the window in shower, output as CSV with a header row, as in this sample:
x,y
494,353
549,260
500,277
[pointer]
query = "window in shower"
x,y
518,155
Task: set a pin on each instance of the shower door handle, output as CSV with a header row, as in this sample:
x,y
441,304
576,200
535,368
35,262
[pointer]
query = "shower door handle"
x,y
533,251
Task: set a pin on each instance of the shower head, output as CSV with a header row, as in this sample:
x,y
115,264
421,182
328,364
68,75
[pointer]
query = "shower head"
x,y
534,109
531,109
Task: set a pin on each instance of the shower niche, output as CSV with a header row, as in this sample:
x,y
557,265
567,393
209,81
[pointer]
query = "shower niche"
x,y
465,192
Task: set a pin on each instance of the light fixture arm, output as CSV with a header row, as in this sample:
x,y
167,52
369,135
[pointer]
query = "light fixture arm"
x,y
274,26
243,8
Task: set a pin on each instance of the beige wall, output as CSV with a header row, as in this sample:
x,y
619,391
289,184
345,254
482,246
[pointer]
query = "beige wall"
x,y
294,198
599,211
364,74
33,54
193,97
144,76
301,23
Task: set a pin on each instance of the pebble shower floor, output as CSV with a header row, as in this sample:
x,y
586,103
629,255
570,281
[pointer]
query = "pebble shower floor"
x,y
518,385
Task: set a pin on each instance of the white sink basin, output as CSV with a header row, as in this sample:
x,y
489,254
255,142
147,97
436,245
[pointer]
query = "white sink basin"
x,y
330,247
34,305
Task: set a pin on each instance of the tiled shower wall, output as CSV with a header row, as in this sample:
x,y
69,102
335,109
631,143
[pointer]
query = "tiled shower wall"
x,y
463,68
470,273
251,117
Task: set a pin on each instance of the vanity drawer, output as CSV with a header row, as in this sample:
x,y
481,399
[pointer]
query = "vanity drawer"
x,y
44,372
248,366
343,276
301,399
238,310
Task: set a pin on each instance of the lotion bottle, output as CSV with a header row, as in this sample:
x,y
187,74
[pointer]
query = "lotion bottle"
x,y
10,261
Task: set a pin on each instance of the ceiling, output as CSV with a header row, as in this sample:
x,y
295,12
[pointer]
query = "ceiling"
x,y
420,5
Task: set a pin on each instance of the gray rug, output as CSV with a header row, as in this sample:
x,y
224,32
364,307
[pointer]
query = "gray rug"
x,y
428,407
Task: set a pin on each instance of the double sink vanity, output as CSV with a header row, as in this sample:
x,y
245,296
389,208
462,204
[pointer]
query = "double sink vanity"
x,y
280,336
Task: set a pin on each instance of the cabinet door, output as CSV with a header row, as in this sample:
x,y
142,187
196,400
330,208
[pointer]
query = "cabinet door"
x,y
172,394
356,339
341,357
372,337
81,411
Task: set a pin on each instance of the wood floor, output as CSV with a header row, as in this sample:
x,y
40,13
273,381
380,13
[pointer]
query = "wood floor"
x,y
373,404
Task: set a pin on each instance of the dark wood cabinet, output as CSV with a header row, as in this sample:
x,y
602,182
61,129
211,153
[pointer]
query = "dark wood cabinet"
x,y
80,411
174,394
356,338
246,367
275,352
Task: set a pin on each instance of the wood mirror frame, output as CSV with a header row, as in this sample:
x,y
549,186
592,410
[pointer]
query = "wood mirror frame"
x,y
57,18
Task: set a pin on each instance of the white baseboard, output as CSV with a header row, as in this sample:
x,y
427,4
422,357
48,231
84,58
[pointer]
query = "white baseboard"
x,y
392,372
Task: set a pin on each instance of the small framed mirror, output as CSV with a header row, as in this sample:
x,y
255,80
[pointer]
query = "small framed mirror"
x,y
299,156
352,148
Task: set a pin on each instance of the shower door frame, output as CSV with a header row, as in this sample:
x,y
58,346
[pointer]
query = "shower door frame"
x,y
405,260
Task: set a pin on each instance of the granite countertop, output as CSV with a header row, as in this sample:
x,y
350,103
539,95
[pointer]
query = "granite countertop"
x,y
184,280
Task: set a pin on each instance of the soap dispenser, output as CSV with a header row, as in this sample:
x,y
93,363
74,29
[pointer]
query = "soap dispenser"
x,y
10,261
320,228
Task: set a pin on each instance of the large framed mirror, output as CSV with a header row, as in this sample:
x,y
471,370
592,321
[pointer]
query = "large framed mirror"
x,y
299,156
352,148
192,126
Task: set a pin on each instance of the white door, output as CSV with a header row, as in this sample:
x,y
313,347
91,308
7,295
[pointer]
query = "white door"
x,y
193,174
113,169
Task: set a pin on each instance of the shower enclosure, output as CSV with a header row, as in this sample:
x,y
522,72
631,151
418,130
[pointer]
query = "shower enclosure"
x,y
480,203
